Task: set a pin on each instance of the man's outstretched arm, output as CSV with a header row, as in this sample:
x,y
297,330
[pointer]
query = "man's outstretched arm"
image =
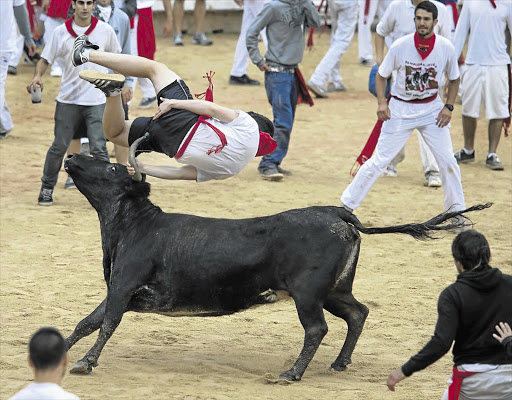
x,y
199,107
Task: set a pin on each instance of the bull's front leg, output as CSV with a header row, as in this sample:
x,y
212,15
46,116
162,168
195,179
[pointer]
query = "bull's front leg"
x,y
114,309
88,325
315,328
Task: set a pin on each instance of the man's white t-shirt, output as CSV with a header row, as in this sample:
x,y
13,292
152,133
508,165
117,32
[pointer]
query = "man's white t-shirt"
x,y
486,28
417,78
43,391
243,138
73,89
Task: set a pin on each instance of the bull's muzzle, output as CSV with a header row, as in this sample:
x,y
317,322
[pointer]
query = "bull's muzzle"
x,y
133,161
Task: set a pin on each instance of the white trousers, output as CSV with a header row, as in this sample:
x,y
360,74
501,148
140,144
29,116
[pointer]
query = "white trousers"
x,y
145,84
343,19
495,384
389,144
364,33
427,158
241,59
5,116
16,54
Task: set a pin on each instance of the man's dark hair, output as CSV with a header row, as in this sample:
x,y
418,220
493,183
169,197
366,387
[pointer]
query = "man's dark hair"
x,y
471,249
428,7
264,124
46,348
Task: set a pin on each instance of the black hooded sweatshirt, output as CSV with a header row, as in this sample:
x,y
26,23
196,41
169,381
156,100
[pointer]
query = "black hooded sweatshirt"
x,y
468,311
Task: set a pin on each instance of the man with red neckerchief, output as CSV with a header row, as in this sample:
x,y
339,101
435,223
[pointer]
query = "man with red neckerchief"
x,y
421,59
77,102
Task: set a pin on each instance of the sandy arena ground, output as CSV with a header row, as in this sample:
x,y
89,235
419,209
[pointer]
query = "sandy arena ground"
x,y
51,271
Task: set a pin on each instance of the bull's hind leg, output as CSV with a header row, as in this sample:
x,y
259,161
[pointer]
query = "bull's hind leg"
x,y
88,325
344,305
312,318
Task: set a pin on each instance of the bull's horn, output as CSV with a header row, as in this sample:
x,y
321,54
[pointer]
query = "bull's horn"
x,y
131,157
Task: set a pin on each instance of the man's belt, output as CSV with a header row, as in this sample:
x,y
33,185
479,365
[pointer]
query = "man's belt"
x,y
275,68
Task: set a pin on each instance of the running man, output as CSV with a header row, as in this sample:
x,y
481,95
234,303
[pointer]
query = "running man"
x,y
213,142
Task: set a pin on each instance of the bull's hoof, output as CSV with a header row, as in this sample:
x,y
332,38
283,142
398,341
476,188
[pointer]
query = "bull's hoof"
x,y
267,297
339,368
289,376
82,367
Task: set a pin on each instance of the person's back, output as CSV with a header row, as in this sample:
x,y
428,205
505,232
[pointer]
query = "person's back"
x,y
48,359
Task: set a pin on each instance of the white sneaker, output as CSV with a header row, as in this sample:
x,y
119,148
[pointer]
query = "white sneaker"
x,y
391,171
434,181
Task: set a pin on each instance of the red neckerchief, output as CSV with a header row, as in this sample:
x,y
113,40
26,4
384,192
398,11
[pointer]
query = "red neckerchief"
x,y
457,377
493,4
424,46
69,26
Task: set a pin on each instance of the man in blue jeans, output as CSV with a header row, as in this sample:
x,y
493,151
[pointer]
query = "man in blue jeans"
x,y
285,21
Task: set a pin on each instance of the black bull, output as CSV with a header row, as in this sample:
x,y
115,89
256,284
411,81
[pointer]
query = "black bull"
x,y
187,265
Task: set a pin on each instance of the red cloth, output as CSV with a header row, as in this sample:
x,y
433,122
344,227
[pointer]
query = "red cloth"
x,y
58,9
69,26
303,96
146,43
424,46
368,148
493,4
455,12
457,378
366,11
309,44
506,121
266,145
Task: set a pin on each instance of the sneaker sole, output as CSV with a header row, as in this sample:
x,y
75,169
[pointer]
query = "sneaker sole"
x,y
273,178
495,168
318,94
91,76
465,161
45,203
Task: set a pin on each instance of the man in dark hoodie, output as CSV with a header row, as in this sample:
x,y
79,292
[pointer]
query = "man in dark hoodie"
x,y
468,310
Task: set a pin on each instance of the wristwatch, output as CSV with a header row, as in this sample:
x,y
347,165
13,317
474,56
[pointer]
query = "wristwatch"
x,y
449,106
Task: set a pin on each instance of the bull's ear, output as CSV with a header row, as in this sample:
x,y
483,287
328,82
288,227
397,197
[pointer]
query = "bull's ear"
x,y
138,189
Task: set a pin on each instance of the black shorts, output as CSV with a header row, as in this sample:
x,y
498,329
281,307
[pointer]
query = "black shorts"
x,y
167,132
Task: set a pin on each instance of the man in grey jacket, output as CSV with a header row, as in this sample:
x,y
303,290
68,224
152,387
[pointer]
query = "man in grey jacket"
x,y
285,21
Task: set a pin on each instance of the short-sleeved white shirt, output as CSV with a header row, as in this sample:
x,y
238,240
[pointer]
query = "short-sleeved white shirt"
x,y
243,138
486,28
43,391
7,39
73,89
398,21
416,78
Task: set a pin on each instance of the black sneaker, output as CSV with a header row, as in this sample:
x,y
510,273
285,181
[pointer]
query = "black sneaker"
x,y
462,157
45,196
12,70
201,39
494,163
77,54
243,80
110,84
271,174
284,171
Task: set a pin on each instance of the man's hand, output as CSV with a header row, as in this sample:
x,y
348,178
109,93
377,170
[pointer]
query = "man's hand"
x,y
383,112
127,94
165,106
264,67
504,331
36,81
45,5
444,118
394,377
167,27
131,170
31,49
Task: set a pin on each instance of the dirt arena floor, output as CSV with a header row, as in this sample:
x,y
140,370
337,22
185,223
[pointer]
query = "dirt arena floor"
x,y
51,271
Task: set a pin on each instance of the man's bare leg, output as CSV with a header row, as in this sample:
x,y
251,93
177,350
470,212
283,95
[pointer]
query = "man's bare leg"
x,y
115,127
469,129
177,14
141,67
199,15
495,126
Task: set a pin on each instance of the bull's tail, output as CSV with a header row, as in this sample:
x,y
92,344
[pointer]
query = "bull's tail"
x,y
419,231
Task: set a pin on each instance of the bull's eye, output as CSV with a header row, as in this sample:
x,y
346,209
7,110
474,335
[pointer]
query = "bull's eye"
x,y
113,168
